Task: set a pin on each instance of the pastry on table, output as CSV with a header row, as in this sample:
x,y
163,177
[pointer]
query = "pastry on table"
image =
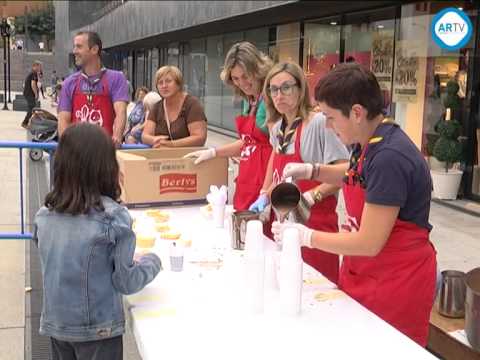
x,y
207,210
186,243
162,227
158,215
145,241
170,235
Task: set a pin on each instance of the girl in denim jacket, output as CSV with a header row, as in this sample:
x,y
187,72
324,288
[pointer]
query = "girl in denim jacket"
x,y
86,247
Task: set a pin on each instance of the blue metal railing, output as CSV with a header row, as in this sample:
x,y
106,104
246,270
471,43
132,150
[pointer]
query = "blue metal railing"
x,y
49,147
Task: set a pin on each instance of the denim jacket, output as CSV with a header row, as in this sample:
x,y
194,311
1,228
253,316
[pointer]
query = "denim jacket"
x,y
87,264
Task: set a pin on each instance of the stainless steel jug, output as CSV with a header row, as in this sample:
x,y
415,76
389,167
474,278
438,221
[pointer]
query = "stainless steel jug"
x,y
472,308
287,199
451,298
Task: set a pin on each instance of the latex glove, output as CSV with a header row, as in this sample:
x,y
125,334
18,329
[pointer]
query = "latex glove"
x,y
201,155
304,232
308,196
260,204
298,171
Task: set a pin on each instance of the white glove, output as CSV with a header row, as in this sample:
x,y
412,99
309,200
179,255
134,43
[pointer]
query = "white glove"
x,y
298,171
308,196
201,155
304,232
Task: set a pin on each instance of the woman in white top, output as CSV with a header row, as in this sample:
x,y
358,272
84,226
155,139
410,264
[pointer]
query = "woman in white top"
x,y
301,136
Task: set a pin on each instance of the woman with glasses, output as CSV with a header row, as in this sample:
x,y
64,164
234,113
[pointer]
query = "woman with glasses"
x,y
301,136
244,70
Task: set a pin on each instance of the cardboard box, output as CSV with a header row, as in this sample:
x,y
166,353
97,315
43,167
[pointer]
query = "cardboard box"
x,y
156,177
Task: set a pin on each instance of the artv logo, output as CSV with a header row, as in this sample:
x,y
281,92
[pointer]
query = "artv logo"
x,y
451,29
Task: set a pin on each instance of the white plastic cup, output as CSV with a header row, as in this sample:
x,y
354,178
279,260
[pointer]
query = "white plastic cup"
x,y
255,266
254,243
271,270
218,212
176,263
290,279
176,257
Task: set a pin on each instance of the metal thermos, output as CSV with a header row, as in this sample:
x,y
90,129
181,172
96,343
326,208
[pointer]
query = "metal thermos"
x,y
472,308
451,299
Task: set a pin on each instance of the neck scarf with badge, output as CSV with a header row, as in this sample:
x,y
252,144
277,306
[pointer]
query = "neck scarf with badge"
x,y
285,137
91,84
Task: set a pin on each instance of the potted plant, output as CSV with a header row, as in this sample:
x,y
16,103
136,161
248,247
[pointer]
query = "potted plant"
x,y
447,149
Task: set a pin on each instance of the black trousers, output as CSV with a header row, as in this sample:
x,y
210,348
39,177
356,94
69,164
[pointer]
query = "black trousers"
x,y
108,349
31,104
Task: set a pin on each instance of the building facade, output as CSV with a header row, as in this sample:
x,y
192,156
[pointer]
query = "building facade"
x,y
392,38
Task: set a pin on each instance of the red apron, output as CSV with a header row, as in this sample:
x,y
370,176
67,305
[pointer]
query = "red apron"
x,y
99,110
254,158
399,283
323,215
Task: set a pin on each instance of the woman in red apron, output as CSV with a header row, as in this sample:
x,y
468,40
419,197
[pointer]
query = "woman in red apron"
x,y
244,70
300,136
389,264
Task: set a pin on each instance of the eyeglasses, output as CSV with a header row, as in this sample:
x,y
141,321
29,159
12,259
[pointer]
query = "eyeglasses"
x,y
286,89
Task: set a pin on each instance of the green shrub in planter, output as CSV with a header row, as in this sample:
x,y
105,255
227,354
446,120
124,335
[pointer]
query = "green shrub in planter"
x,y
431,140
448,148
452,100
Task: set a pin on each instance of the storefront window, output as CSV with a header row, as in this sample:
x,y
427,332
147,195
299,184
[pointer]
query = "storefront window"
x,y
139,69
428,79
231,106
194,67
424,71
173,54
131,67
369,41
321,50
258,37
125,62
148,67
287,43
213,87
155,66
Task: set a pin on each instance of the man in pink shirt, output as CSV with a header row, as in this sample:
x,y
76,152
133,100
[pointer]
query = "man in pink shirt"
x,y
94,94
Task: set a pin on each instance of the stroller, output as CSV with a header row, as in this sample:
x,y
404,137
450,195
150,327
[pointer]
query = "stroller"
x,y
43,127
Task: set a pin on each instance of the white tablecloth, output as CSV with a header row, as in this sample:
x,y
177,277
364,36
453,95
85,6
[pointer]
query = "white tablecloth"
x,y
200,313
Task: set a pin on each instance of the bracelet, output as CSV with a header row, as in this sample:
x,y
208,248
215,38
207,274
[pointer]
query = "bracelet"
x,y
317,196
263,191
315,171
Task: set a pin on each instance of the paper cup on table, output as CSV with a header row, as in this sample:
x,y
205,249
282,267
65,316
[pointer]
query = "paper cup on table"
x,y
176,257
218,212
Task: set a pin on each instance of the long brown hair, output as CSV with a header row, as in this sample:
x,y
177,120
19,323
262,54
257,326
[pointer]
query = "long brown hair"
x,y
85,168
252,60
304,102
